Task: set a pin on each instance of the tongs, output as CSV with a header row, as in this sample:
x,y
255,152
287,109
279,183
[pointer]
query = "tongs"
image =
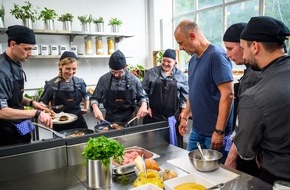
x,y
51,130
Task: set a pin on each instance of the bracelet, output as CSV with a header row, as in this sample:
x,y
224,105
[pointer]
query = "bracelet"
x,y
31,103
38,112
185,119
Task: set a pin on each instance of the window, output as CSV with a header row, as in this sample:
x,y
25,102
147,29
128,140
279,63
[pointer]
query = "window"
x,y
215,16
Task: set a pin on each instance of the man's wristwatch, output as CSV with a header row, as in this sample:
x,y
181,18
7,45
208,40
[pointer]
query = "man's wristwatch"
x,y
219,132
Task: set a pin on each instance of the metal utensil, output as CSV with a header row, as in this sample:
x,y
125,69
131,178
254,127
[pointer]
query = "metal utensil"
x,y
200,150
128,123
108,123
216,187
57,107
51,130
144,166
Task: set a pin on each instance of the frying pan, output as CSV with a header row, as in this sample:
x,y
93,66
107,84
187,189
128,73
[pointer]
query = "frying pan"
x,y
110,126
67,133
101,126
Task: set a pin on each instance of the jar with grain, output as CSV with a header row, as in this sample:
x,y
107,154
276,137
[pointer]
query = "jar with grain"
x,y
111,45
89,45
99,46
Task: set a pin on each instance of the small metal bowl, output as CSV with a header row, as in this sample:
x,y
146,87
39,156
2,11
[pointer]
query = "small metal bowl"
x,y
211,163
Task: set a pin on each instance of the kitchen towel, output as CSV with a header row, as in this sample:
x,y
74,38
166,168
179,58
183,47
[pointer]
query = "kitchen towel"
x,y
172,131
220,175
24,127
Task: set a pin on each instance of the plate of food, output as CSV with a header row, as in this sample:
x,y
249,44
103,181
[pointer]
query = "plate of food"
x,y
63,118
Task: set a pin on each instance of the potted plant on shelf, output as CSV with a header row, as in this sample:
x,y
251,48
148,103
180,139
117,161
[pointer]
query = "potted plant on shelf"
x,y
138,71
99,24
99,153
115,24
27,13
48,16
86,22
2,14
66,20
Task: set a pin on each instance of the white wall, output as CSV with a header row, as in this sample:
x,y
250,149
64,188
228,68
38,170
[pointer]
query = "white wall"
x,y
141,18
131,12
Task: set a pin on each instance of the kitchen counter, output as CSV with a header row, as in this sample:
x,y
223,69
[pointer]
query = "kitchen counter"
x,y
69,172
74,177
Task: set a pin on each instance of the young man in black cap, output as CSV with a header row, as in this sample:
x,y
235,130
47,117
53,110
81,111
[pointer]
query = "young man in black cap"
x,y
167,88
15,124
264,110
119,91
231,40
65,92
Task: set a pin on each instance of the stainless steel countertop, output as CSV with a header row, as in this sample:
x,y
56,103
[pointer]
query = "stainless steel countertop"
x,y
168,152
74,177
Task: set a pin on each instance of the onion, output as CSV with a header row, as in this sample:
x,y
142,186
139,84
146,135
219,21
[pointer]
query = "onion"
x,y
169,174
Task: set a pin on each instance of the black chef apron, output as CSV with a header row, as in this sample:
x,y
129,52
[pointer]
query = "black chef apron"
x,y
164,103
71,104
119,103
8,132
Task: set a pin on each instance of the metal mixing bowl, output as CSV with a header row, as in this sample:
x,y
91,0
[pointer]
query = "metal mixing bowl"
x,y
211,163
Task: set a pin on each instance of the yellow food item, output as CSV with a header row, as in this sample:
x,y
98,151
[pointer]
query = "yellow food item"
x,y
152,177
169,174
152,164
190,186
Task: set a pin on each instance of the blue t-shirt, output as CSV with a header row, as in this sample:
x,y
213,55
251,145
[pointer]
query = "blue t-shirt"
x,y
205,73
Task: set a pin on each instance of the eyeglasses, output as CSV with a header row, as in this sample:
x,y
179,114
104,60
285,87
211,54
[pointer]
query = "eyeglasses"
x,y
119,72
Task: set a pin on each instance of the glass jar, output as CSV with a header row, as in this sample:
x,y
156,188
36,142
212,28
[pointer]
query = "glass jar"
x,y
89,45
111,45
99,46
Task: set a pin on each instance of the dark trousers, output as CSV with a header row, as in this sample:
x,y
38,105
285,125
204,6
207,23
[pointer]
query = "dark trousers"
x,y
248,166
270,178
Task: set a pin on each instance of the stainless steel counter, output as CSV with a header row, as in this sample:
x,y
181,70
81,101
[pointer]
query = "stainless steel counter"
x,y
73,176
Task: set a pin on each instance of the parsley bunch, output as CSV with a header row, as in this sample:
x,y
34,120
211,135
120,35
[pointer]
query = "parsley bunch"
x,y
103,148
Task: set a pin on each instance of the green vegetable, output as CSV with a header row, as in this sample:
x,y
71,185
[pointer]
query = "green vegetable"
x,y
124,179
103,148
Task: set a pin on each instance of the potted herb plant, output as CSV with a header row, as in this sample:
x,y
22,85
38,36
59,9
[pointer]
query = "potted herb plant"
x,y
99,153
86,21
99,24
115,24
66,20
27,13
2,14
48,16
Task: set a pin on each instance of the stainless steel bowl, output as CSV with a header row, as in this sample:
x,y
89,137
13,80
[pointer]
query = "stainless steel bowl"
x,y
211,163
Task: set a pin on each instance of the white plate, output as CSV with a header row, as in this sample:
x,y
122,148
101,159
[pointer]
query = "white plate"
x,y
71,118
190,178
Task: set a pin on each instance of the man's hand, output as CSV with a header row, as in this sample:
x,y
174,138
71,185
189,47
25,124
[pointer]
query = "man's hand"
x,y
182,128
217,141
142,112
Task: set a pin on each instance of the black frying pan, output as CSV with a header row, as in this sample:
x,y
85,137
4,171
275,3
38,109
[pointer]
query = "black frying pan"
x,y
103,127
76,132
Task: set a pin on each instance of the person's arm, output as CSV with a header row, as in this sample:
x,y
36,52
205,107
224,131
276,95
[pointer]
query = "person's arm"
x,y
226,99
182,128
96,99
143,99
14,114
232,157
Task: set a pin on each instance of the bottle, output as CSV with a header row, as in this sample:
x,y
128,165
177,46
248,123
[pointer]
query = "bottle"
x,y
111,45
89,45
99,46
